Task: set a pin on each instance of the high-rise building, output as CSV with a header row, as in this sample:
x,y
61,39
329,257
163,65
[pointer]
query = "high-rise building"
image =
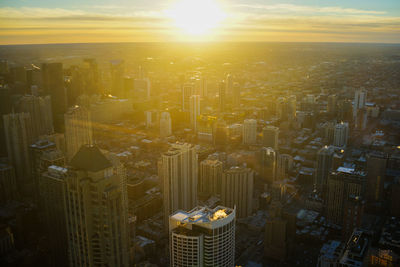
x,y
40,111
236,95
78,130
341,134
210,177
352,215
96,210
376,169
18,133
342,184
250,132
141,89
165,124
220,134
275,241
324,165
179,172
268,164
329,132
53,85
360,97
53,188
345,110
194,111
117,70
285,165
202,237
187,92
237,190
270,137
8,183
222,96
332,104
42,155
229,84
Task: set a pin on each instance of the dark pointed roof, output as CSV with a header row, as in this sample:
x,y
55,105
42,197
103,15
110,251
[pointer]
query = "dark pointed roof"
x,y
90,158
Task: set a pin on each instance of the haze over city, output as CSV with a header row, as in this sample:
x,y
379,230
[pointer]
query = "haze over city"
x,y
199,133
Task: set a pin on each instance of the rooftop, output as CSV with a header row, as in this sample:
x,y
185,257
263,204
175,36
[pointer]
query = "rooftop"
x,y
202,214
90,158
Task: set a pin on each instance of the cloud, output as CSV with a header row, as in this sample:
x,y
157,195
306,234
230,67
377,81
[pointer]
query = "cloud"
x,y
290,8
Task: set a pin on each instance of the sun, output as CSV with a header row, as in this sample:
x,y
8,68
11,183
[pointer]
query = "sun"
x,y
196,17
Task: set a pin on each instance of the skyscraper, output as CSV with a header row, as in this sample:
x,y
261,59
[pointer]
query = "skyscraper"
x,y
202,237
96,210
187,92
117,69
275,241
376,169
268,164
324,165
285,165
237,190
53,188
210,177
40,111
18,133
341,134
332,104
342,184
165,124
270,137
220,134
229,84
352,215
222,96
179,172
8,183
236,95
53,85
42,155
360,97
78,130
194,111
250,132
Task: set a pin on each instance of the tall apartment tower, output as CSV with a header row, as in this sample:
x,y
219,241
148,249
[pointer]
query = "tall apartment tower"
x,y
324,165
268,164
78,130
342,184
376,169
165,124
332,104
229,84
250,132
43,154
53,188
41,114
270,137
236,95
285,165
210,177
117,70
8,183
202,237
187,92
276,234
360,97
222,96
18,133
341,134
194,111
178,169
237,190
53,85
96,210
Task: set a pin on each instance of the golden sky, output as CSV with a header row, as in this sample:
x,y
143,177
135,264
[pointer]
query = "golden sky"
x,y
275,21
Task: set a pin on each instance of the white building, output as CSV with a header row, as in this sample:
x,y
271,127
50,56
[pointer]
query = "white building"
x,y
178,169
360,97
203,237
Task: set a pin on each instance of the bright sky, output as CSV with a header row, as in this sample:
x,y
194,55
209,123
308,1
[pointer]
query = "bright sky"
x,y
71,21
